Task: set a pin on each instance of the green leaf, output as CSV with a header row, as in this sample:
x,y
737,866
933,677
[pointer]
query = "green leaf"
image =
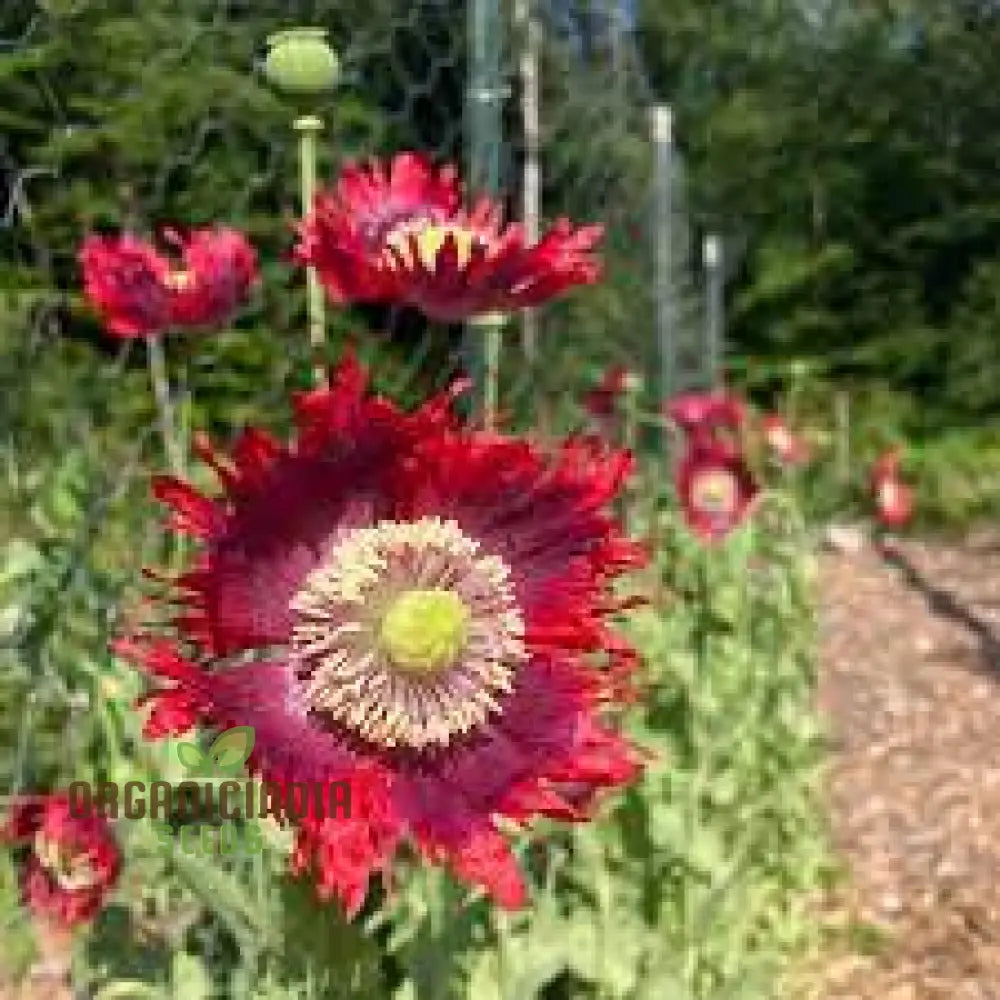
x,y
189,977
229,897
130,989
318,945
232,748
190,756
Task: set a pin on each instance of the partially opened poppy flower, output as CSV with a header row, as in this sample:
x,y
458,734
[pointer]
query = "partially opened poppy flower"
x,y
418,608
139,292
702,414
398,233
893,498
786,446
716,488
73,861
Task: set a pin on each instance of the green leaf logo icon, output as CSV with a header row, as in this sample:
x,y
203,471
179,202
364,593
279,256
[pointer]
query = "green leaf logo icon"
x,y
190,756
226,756
230,751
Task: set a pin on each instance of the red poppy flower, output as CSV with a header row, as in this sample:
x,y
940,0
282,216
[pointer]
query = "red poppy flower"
x,y
787,448
73,863
139,292
716,488
398,233
426,602
893,498
603,398
702,414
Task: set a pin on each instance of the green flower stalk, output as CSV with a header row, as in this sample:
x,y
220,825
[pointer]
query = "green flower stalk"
x,y
301,63
164,405
632,391
491,325
308,128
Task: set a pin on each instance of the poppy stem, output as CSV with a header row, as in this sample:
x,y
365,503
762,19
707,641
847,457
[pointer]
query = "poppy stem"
x,y
164,404
701,765
630,436
309,128
492,325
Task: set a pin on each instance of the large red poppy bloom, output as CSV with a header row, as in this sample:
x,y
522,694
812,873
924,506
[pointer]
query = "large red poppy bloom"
x,y
139,292
716,487
73,861
893,498
703,414
398,233
426,607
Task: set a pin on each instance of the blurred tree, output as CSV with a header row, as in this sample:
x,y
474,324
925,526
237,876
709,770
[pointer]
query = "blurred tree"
x,y
854,146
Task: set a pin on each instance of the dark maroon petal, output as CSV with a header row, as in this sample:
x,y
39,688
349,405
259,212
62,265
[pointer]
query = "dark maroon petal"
x,y
533,731
463,784
288,745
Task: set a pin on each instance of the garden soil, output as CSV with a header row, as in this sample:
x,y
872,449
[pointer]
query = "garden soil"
x,y
910,691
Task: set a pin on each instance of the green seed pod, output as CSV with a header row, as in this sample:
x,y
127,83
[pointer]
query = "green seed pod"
x,y
300,61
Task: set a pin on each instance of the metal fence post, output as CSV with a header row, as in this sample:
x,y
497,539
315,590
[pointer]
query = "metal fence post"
x,y
714,279
484,101
663,213
531,44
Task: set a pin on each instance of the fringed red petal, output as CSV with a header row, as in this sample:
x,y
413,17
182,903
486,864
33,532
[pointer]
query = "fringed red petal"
x,y
193,512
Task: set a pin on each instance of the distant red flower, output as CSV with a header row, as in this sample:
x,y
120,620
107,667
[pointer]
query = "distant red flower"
x,y
602,400
787,447
716,488
398,233
431,605
701,414
139,292
73,862
893,498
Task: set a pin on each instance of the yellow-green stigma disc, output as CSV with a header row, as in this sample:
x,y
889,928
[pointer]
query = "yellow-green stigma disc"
x,y
424,631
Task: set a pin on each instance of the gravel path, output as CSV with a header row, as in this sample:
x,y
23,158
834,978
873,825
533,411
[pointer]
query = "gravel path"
x,y
910,685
